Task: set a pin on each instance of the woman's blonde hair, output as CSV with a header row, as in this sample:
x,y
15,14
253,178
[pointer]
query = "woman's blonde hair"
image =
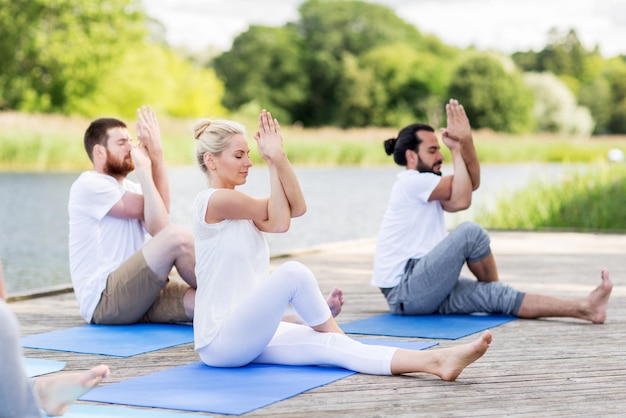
x,y
214,136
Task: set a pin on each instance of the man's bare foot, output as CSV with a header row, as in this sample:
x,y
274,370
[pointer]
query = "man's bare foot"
x,y
455,359
598,300
58,391
335,301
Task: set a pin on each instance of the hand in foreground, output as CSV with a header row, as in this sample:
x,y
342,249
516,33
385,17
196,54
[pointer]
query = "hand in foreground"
x,y
458,129
148,131
269,139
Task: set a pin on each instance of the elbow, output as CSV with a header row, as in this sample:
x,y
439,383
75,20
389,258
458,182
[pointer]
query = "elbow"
x,y
276,226
298,211
155,227
458,205
465,203
282,227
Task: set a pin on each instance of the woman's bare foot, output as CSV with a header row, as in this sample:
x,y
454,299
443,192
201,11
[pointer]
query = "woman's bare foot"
x,y
598,300
335,301
455,359
447,363
58,391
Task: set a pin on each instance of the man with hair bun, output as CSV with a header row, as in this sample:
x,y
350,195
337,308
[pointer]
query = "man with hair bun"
x,y
417,263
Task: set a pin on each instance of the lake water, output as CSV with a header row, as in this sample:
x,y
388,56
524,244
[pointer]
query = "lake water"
x,y
343,204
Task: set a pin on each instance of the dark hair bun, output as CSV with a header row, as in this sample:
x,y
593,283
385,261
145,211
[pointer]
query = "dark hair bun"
x,y
390,145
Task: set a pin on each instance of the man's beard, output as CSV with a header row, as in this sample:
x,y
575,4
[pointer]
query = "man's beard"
x,y
117,168
423,168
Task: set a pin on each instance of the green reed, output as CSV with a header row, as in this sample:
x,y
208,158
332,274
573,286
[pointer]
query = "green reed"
x,y
52,142
589,200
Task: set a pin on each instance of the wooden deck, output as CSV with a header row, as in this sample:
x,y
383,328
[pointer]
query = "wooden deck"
x,y
552,367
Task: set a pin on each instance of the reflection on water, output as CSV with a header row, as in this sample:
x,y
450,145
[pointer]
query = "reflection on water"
x,y
343,204
33,229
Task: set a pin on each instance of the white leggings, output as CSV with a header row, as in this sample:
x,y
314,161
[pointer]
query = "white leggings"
x,y
254,333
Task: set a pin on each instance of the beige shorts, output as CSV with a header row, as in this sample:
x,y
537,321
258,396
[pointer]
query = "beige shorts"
x,y
134,293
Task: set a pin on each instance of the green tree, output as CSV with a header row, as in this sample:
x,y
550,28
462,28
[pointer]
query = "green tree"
x,y
317,71
333,31
493,97
597,97
53,52
412,84
178,88
615,74
264,65
564,54
555,108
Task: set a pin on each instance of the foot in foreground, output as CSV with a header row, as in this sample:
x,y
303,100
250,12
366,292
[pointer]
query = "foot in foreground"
x,y
597,301
58,391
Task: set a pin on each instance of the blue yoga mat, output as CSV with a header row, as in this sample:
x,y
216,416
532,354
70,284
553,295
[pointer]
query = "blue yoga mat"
x,y
446,327
112,340
99,411
200,388
234,391
37,366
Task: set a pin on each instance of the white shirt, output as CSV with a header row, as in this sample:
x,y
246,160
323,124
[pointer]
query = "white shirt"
x,y
232,257
98,243
411,226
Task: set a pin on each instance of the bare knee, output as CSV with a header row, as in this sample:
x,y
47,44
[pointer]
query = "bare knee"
x,y
177,239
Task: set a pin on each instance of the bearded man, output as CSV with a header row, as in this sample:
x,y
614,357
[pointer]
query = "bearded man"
x,y
417,263
121,245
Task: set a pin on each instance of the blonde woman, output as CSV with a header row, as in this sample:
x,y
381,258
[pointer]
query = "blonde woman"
x,y
240,305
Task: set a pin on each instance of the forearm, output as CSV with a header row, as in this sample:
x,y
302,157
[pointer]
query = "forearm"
x,y
291,187
461,188
278,209
155,213
160,177
470,158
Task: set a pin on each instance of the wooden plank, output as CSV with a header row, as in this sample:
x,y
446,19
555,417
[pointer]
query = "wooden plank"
x,y
555,367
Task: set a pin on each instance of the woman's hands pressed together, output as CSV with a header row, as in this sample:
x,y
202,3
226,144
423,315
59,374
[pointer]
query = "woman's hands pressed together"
x,y
268,137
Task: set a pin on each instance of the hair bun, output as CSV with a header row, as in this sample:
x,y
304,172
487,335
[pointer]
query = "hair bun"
x,y
390,145
200,126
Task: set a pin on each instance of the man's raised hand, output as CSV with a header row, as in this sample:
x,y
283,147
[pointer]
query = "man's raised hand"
x,y
148,131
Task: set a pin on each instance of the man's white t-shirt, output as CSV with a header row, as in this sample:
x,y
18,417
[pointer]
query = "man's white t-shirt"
x,y
411,226
98,244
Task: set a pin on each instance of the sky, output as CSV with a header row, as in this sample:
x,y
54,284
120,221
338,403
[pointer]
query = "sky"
x,y
502,25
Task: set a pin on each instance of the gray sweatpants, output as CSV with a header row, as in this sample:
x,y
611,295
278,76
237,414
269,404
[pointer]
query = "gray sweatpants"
x,y
17,396
432,284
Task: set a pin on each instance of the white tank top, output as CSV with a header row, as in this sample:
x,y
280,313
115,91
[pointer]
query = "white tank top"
x,y
232,257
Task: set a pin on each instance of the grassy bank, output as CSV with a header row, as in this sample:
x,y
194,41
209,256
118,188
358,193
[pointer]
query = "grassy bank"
x,y
593,200
54,143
